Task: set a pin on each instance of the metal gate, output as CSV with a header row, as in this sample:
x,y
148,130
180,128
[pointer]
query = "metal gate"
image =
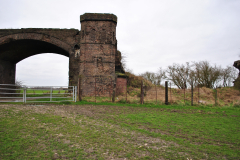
x,y
25,94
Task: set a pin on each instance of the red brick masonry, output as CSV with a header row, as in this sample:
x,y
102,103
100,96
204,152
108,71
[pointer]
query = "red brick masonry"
x,y
121,85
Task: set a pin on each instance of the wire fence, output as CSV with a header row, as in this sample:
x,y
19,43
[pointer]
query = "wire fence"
x,y
194,95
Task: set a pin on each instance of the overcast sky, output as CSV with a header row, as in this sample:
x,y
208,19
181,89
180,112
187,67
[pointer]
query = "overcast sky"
x,y
150,33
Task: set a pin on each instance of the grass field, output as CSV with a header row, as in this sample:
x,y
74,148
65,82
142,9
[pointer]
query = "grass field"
x,y
39,93
119,132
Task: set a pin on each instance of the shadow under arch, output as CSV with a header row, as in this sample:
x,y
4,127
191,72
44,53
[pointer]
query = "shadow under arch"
x,y
18,50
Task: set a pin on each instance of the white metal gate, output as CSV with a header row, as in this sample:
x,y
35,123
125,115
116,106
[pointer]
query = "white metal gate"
x,y
25,94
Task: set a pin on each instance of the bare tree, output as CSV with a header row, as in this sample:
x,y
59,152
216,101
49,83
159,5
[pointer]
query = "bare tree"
x,y
19,83
160,75
197,73
154,78
192,78
150,76
207,75
229,74
179,74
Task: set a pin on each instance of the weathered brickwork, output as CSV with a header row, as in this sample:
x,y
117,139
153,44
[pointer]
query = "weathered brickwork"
x,y
97,53
121,85
91,51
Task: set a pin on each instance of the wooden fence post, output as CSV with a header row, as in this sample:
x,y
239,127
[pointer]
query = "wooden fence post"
x,y
166,92
198,95
142,94
216,97
192,94
184,95
156,93
170,94
126,90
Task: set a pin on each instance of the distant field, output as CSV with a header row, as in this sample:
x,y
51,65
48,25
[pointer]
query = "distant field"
x,y
44,93
119,132
32,91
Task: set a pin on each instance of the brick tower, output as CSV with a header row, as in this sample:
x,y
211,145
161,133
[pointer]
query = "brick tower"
x,y
98,47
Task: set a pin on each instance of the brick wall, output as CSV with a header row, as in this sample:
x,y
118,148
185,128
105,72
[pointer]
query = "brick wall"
x,y
121,85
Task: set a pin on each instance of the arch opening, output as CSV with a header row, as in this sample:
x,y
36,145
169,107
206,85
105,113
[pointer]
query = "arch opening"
x,y
47,69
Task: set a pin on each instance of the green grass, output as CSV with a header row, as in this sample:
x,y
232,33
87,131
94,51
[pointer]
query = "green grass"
x,y
26,138
208,132
43,91
60,100
111,131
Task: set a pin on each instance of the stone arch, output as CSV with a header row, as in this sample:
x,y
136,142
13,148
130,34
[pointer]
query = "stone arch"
x,y
16,47
36,39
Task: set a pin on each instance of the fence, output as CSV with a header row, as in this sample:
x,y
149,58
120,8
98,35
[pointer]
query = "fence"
x,y
194,95
14,93
169,95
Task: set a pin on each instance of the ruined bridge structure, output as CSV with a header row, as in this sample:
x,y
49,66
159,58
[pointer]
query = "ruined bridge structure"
x,y
92,51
